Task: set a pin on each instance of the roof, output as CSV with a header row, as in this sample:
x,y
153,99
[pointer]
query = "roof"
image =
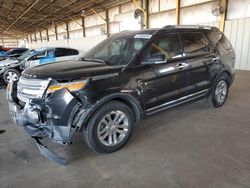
x,y
190,27
26,16
153,31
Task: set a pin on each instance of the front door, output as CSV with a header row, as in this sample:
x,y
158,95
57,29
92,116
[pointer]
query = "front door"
x,y
164,73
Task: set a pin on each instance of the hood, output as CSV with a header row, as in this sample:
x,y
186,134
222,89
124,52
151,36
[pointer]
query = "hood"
x,y
7,62
72,69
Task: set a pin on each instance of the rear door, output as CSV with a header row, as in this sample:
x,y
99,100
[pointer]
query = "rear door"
x,y
201,55
164,73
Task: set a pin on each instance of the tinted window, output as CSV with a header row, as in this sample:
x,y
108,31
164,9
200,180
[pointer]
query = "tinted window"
x,y
59,52
22,51
39,55
14,52
65,52
195,43
220,41
118,49
168,46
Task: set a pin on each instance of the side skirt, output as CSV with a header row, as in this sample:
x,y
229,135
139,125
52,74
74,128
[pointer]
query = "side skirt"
x,y
182,100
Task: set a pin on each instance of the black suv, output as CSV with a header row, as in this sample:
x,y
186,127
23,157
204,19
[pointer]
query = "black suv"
x,y
123,79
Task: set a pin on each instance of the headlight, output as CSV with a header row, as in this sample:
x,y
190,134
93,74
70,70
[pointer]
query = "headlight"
x,y
71,86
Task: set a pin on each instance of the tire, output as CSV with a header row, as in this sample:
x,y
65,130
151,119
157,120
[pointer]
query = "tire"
x,y
100,126
219,92
11,75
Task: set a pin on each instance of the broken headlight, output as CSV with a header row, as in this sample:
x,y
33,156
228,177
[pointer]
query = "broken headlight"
x,y
70,86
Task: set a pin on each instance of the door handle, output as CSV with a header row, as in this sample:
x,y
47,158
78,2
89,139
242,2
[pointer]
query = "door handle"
x,y
182,65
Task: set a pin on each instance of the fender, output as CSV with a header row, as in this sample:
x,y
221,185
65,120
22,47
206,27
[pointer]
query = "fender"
x,y
216,77
124,97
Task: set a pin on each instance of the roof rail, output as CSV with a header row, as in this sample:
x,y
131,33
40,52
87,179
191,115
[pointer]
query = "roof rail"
x,y
189,27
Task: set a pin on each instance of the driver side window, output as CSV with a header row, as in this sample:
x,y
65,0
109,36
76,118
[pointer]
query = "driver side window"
x,y
166,48
38,56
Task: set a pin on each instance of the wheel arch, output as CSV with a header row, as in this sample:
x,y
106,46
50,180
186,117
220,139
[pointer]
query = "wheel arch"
x,y
224,72
11,69
127,99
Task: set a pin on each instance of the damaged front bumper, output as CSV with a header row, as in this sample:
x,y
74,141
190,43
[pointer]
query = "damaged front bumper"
x,y
56,117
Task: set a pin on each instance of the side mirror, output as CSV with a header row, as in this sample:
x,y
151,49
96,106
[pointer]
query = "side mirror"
x,y
156,59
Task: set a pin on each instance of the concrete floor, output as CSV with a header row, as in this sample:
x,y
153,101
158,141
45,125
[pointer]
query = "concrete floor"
x,y
193,145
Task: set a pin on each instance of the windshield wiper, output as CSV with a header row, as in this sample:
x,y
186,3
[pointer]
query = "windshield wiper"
x,y
95,60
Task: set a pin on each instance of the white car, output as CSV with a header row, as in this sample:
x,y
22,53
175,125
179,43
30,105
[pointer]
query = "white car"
x,y
10,69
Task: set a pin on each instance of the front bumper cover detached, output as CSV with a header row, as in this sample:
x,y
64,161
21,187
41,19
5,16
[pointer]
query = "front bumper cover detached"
x,y
49,154
52,118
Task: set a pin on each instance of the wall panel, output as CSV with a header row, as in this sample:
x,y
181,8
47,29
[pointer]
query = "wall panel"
x,y
238,32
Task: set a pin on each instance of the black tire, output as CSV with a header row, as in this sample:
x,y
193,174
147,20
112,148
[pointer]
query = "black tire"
x,y
213,99
90,133
6,76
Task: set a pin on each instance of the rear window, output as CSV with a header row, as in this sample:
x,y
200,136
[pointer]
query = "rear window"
x,y
59,52
220,41
195,43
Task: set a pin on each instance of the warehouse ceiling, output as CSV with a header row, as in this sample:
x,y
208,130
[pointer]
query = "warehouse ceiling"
x,y
21,17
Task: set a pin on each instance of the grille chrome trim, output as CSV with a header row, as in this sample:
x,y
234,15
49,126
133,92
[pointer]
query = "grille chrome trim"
x,y
31,88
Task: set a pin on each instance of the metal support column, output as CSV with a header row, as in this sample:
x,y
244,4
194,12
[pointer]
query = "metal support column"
x,y
224,4
83,27
177,12
107,22
56,32
47,34
104,19
35,37
67,29
41,37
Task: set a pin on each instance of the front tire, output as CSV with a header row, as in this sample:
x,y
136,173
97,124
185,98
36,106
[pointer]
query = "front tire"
x,y
11,75
110,127
219,91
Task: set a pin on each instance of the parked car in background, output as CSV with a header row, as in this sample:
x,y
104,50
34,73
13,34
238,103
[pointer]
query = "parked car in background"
x,y
2,51
125,78
10,69
14,53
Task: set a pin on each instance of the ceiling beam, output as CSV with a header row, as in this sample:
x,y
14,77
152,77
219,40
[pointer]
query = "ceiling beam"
x,y
27,10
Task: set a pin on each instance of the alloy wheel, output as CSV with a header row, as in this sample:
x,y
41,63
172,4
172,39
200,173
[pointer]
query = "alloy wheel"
x,y
11,77
221,92
113,128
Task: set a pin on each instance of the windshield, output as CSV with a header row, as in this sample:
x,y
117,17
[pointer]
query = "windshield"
x,y
10,52
117,50
26,54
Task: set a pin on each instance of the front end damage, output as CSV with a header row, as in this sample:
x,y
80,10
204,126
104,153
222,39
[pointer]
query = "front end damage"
x,y
56,117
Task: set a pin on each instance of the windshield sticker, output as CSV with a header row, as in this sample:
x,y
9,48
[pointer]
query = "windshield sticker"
x,y
142,36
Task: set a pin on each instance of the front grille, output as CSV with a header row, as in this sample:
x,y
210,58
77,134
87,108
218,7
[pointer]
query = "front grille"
x,y
31,88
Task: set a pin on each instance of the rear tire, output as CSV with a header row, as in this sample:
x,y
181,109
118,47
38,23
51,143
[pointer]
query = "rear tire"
x,y
109,128
219,92
11,75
